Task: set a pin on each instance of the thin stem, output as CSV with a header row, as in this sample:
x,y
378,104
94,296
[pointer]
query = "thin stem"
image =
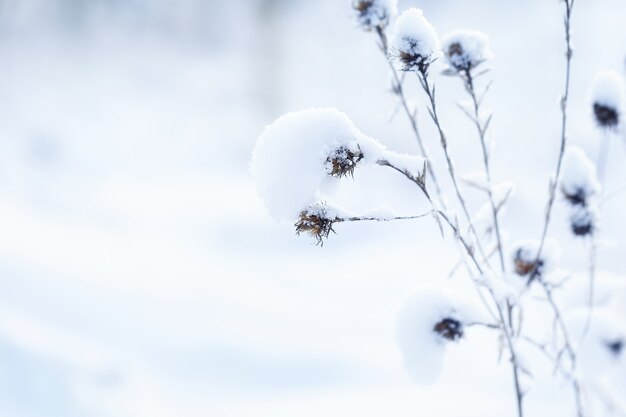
x,y
569,4
482,130
423,78
412,119
380,219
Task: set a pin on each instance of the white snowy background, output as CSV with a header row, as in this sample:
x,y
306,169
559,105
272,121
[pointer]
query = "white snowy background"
x,y
140,275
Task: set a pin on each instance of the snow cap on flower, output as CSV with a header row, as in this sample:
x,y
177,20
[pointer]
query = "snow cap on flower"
x,y
430,319
300,156
414,45
579,181
525,262
584,220
374,14
603,340
607,99
466,49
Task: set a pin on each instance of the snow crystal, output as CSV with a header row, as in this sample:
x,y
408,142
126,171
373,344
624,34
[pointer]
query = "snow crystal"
x,y
414,45
578,177
430,319
466,49
607,98
601,341
372,14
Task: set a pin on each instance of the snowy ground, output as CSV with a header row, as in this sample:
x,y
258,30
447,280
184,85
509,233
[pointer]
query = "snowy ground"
x,y
141,275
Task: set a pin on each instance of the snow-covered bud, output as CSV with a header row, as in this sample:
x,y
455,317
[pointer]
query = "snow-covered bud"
x,y
464,50
374,14
607,99
449,328
415,44
579,181
525,261
342,161
428,321
583,220
317,220
603,337
300,157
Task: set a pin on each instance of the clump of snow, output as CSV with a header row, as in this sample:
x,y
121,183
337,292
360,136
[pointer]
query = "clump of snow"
x,y
525,261
372,14
466,49
600,338
414,45
583,220
579,181
300,157
430,319
607,98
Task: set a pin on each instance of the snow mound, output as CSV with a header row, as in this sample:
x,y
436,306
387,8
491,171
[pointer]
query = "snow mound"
x,y
466,49
414,43
579,181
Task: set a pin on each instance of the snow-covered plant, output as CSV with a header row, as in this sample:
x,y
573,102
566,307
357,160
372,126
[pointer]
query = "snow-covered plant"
x,y
299,159
607,99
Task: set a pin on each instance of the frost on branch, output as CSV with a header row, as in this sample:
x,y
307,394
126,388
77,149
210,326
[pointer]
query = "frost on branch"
x,y
429,320
578,178
607,99
374,14
525,261
464,50
414,45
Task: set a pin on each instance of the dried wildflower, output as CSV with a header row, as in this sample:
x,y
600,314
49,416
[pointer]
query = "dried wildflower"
x,y
464,50
414,45
607,99
583,220
525,261
374,14
317,220
578,179
449,328
616,346
342,161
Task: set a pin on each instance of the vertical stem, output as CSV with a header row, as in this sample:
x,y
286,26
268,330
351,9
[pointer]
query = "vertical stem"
x,y
481,134
423,78
405,106
569,4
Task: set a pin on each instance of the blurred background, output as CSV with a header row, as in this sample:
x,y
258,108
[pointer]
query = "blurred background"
x,y
140,275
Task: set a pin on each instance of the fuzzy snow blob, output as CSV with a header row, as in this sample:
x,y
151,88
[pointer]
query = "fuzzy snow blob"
x,y
527,265
600,340
607,99
414,45
429,320
579,181
466,49
374,14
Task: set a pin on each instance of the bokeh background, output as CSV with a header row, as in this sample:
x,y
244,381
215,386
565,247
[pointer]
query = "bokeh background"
x,y
140,275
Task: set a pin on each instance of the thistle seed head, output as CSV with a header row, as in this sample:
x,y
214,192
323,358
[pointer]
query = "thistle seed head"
x,y
342,162
449,328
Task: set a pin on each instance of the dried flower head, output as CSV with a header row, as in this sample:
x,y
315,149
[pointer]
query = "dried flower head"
x,y
374,14
415,44
464,50
616,347
317,220
525,261
449,328
579,181
583,220
607,99
342,161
